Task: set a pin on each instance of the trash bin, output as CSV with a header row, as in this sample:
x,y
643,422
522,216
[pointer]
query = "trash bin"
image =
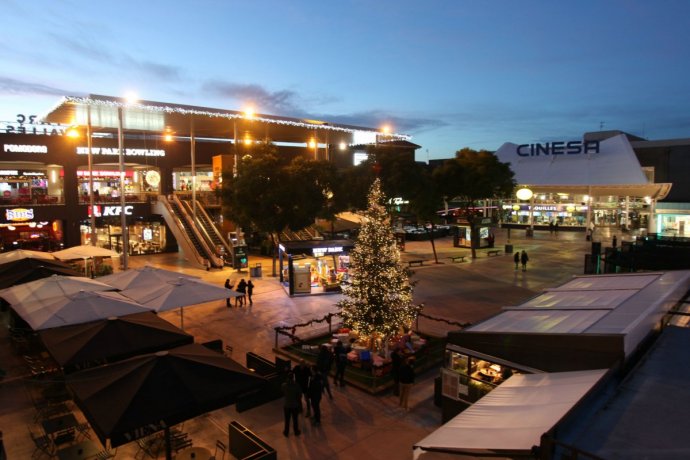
x,y
509,249
529,232
255,271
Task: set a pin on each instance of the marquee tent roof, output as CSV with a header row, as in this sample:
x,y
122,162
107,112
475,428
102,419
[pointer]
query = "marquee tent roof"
x,y
614,170
206,122
511,419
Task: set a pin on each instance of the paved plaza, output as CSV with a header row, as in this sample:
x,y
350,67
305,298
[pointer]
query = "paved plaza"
x,y
355,425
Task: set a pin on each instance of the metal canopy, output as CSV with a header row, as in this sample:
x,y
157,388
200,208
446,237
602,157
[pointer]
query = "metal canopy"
x,y
185,120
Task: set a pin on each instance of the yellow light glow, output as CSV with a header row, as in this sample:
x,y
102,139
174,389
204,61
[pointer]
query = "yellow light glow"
x,y
342,146
524,194
386,129
247,141
73,132
312,144
168,137
131,97
249,112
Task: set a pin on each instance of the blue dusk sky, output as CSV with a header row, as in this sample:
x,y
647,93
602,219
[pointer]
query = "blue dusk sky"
x,y
452,74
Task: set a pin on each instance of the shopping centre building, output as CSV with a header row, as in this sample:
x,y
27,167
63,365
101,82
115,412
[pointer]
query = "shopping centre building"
x,y
54,186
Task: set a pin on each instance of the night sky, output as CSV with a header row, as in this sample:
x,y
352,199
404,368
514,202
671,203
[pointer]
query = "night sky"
x,y
453,74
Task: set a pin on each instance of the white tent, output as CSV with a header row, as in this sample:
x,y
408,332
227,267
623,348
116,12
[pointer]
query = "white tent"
x,y
512,418
147,277
85,251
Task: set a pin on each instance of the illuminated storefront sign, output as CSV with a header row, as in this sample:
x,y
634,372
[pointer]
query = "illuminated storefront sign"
x,y
102,173
558,148
21,148
318,252
19,214
546,208
127,152
108,211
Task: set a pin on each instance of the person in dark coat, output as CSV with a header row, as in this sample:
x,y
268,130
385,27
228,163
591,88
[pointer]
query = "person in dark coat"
x,y
324,362
314,392
302,377
292,396
516,258
228,286
340,353
407,377
250,291
242,289
523,259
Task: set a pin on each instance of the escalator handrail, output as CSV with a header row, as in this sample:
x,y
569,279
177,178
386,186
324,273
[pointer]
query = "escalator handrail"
x,y
215,261
215,230
199,257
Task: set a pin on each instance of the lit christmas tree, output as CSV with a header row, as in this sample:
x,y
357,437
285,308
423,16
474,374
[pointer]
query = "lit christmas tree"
x,y
378,302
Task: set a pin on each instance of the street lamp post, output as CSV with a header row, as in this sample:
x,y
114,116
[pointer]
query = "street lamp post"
x,y
89,143
123,217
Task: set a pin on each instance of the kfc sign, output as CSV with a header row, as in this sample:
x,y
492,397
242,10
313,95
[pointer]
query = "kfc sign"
x,y
110,211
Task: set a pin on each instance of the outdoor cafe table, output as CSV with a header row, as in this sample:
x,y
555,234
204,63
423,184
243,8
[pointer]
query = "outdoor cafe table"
x,y
194,453
61,423
84,449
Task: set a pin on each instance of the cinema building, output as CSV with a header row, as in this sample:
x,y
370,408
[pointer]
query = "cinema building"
x,y
146,166
604,180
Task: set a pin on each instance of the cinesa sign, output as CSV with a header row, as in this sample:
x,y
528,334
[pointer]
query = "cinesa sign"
x,y
558,148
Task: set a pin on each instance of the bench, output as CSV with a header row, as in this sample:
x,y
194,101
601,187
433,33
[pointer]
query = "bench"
x,y
456,259
419,262
493,252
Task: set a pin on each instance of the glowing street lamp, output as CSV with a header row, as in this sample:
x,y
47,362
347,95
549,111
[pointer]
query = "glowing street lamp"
x,y
524,194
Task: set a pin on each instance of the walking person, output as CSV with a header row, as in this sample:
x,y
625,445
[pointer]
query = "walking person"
x,y
516,258
314,391
250,291
523,259
228,286
242,289
302,377
340,363
324,362
292,401
407,376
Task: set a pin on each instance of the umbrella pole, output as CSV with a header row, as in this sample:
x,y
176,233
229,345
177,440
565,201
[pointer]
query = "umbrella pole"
x,y
168,444
181,319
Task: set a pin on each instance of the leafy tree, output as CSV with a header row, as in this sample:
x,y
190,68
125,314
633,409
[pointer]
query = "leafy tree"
x,y
271,193
378,302
472,176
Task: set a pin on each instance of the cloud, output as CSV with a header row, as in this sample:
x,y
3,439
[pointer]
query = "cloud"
x,y
276,102
20,87
399,123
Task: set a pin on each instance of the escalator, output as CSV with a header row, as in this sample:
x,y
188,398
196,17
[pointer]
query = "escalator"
x,y
189,239
208,230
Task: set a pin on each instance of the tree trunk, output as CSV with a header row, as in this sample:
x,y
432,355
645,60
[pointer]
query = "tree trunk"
x,y
475,239
275,253
433,243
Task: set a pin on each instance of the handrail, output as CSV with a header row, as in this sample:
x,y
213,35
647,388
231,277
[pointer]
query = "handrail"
x,y
202,227
200,260
215,261
226,244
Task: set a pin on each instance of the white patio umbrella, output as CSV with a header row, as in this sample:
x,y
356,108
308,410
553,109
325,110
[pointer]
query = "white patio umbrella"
x,y
178,293
19,254
55,286
85,251
147,277
78,308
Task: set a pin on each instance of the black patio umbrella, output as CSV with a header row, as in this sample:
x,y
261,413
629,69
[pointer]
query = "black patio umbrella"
x,y
112,339
30,269
130,399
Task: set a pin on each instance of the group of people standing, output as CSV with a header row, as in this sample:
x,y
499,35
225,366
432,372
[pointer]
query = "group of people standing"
x,y
305,385
244,288
521,258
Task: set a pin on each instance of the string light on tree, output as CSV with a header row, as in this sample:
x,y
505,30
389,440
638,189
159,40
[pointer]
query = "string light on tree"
x,y
378,301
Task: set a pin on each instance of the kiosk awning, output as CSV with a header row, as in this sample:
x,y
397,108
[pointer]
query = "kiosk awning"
x,y
512,418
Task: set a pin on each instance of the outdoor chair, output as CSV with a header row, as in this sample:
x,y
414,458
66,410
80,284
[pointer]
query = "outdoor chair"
x,y
106,454
42,445
180,443
220,447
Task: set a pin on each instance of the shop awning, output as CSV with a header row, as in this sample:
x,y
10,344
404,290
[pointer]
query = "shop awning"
x,y
512,418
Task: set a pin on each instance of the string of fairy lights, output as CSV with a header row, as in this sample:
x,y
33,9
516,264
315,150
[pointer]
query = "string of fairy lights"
x,y
378,302
167,109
